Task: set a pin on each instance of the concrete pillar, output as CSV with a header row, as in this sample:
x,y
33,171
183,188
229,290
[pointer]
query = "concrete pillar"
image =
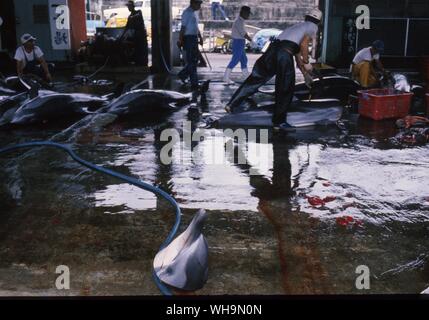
x,y
326,18
77,23
161,35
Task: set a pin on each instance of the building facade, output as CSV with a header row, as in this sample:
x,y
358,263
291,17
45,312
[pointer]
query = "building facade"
x,y
401,24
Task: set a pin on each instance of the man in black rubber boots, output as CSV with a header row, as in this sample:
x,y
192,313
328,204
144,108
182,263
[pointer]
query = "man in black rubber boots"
x,y
278,61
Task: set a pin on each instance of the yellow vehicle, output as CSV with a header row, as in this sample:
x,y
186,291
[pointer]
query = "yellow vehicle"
x,y
116,21
118,17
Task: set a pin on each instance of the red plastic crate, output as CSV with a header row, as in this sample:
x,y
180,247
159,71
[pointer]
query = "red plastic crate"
x,y
379,104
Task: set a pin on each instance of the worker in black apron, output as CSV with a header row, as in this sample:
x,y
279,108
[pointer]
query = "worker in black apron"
x,y
136,30
30,59
278,61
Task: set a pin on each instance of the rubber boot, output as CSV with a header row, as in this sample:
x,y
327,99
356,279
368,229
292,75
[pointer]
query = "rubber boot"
x,y
245,73
227,75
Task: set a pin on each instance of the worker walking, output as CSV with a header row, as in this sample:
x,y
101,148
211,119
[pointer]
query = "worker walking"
x,y
30,59
189,38
278,61
136,30
217,5
239,36
366,62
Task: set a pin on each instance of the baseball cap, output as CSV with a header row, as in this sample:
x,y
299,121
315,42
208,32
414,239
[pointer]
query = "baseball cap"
x,y
27,37
378,45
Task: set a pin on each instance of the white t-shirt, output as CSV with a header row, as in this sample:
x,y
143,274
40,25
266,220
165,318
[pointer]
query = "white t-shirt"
x,y
238,29
297,32
190,21
20,54
365,55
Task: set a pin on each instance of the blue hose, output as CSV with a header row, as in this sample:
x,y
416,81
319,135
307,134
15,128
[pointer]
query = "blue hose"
x,y
164,290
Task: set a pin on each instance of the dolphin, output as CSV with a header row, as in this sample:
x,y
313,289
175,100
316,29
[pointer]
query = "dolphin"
x,y
57,105
146,101
9,105
425,291
329,87
183,264
301,114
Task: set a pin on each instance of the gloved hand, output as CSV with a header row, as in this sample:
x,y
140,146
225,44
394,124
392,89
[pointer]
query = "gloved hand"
x,y
308,79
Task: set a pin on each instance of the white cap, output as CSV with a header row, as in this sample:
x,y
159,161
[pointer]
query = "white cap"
x,y
316,14
27,37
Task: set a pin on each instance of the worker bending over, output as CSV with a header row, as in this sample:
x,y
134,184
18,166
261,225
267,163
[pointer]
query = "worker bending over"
x,y
239,36
278,61
366,62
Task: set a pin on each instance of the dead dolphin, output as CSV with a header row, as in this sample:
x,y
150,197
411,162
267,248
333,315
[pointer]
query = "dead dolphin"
x,y
56,106
9,105
330,87
184,263
147,101
301,114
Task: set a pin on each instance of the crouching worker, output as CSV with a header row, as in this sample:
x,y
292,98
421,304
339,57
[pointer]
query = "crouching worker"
x,y
278,61
366,63
30,60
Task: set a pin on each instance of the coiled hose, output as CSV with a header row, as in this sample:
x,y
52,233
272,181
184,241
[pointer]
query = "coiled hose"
x,y
140,184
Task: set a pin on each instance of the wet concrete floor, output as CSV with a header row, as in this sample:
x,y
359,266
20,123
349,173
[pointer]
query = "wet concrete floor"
x,y
265,236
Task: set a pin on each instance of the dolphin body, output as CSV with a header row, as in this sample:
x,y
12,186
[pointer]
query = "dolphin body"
x,y
329,87
9,105
56,106
301,114
147,101
183,264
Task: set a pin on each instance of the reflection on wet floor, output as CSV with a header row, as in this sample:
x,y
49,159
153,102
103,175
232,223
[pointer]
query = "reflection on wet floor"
x,y
321,205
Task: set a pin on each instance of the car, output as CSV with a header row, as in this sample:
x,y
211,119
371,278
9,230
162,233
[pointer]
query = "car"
x,y
261,38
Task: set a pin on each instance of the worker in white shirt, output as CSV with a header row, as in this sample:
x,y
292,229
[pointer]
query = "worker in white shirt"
x,y
239,36
30,59
189,38
217,5
366,62
278,61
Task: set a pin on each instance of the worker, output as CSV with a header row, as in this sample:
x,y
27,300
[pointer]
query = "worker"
x,y
278,61
136,30
30,59
365,64
239,36
217,5
189,38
